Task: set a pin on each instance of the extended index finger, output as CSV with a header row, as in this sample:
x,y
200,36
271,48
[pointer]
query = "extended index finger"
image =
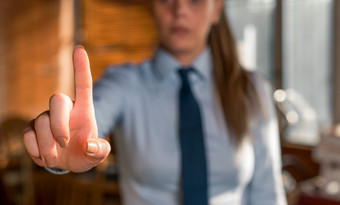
x,y
82,77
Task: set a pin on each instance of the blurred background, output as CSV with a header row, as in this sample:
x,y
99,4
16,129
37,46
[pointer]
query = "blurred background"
x,y
295,44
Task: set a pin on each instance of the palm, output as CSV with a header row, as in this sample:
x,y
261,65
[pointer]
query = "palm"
x,y
81,129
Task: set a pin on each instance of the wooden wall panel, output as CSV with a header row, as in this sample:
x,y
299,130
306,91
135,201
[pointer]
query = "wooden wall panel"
x,y
115,32
32,47
30,53
3,79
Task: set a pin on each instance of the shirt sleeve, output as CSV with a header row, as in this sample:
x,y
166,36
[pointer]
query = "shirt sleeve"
x,y
56,171
266,186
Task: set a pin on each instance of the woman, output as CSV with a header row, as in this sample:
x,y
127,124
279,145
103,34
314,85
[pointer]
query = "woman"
x,y
237,157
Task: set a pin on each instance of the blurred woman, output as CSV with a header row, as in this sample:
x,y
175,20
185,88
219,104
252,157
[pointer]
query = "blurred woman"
x,y
191,125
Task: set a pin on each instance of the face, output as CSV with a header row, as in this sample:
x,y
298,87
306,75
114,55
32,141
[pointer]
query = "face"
x,y
184,25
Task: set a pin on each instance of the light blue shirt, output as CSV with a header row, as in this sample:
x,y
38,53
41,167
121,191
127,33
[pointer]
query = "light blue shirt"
x,y
139,104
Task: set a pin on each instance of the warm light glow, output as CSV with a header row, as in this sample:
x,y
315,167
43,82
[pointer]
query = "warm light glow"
x,y
337,130
292,117
333,188
280,95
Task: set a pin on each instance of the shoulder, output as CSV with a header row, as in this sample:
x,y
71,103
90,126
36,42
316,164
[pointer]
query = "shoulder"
x,y
120,82
264,92
263,89
261,83
125,73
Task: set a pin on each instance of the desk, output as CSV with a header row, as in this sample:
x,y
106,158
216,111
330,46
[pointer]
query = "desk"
x,y
311,194
298,160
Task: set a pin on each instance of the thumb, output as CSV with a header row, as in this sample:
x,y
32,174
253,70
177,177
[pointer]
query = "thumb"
x,y
97,150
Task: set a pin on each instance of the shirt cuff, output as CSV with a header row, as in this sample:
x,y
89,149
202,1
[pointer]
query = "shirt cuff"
x,y
56,171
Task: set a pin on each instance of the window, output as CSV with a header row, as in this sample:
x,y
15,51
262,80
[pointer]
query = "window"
x,y
253,26
307,52
306,56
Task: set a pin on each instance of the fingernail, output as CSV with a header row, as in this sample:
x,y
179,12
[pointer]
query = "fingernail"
x,y
62,142
92,146
80,46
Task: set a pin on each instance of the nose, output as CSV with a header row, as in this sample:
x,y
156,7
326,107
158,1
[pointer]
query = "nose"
x,y
180,7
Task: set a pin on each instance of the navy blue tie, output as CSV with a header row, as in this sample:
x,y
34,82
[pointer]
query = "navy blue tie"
x,y
193,164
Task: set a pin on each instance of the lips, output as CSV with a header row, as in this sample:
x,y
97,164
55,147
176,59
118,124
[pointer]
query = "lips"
x,y
180,30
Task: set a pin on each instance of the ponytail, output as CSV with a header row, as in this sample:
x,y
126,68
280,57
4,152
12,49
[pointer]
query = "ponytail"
x,y
236,90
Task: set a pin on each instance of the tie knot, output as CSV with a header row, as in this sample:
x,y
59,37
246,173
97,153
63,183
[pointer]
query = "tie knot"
x,y
183,73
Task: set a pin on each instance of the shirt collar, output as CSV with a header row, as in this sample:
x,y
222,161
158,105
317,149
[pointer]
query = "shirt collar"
x,y
165,63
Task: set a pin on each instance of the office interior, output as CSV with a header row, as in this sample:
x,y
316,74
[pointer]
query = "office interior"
x,y
294,44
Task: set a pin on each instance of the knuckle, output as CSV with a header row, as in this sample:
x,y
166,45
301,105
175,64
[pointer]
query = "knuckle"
x,y
47,150
28,138
51,160
42,119
60,98
38,161
32,152
60,107
29,127
57,97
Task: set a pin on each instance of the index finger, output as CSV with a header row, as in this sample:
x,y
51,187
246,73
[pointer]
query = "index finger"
x,y
82,77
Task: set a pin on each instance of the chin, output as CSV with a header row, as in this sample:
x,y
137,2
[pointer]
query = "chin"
x,y
179,48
